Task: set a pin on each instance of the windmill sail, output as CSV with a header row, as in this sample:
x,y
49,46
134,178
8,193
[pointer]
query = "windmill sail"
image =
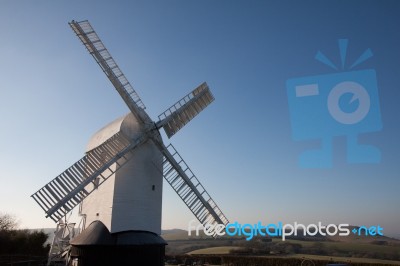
x,y
190,190
71,187
68,189
96,48
178,115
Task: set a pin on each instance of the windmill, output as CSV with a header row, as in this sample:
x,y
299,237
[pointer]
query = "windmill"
x,y
119,180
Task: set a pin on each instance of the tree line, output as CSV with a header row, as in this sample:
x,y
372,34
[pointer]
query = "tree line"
x,y
14,241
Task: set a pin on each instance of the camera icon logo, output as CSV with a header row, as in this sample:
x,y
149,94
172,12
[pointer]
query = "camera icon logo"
x,y
337,104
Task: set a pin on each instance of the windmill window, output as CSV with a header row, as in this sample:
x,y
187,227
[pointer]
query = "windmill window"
x,y
153,187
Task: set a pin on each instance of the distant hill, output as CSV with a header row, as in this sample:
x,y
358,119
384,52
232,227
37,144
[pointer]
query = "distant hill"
x,y
172,231
180,234
364,239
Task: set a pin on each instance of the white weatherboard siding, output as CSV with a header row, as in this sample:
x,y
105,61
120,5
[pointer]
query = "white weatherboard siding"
x,y
131,199
136,205
98,205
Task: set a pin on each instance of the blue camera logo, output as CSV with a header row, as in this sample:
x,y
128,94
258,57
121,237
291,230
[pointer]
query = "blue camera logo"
x,y
338,104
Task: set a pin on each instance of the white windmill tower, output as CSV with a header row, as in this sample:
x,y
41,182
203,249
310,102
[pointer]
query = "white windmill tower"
x,y
119,180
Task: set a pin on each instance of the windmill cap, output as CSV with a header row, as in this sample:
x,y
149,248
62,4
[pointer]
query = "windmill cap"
x,y
97,234
128,124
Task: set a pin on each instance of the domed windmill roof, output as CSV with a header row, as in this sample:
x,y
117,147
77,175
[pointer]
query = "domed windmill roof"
x,y
96,234
126,124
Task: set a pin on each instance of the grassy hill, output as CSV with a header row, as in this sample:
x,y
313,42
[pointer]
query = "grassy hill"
x,y
225,250
350,247
380,247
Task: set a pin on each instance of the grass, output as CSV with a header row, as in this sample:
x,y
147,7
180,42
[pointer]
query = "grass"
x,y
224,250
343,251
344,259
348,246
213,251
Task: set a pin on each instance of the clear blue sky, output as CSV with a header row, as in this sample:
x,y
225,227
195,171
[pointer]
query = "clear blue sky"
x,y
54,97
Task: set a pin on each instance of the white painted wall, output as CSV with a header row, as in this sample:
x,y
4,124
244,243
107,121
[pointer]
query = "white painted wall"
x,y
127,201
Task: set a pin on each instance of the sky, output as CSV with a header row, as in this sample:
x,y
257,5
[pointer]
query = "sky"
x,y
54,97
